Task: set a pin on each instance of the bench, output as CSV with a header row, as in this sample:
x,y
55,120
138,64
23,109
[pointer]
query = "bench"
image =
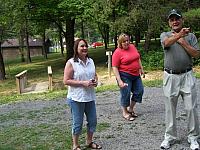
x,y
21,81
49,70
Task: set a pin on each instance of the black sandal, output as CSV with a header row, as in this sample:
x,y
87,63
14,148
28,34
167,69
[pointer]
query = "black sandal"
x,y
129,117
93,145
133,114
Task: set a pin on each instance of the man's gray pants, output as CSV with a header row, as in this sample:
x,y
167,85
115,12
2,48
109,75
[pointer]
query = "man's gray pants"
x,y
173,86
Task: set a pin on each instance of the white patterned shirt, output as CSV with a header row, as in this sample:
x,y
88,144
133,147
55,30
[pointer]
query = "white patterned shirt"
x,y
82,71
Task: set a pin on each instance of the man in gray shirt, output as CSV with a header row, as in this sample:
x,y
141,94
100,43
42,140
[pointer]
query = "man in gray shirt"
x,y
180,46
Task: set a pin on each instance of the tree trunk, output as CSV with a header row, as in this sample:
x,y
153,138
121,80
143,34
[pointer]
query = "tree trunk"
x,y
61,42
44,45
82,30
104,30
21,44
137,38
69,37
131,38
107,34
115,31
115,39
147,41
2,66
27,43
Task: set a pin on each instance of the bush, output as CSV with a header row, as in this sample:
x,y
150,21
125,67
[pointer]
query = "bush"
x,y
154,58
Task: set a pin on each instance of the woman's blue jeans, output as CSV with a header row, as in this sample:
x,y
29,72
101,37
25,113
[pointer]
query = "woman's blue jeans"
x,y
78,109
135,87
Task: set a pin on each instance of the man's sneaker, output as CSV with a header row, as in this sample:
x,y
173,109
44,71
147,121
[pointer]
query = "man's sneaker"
x,y
165,144
194,145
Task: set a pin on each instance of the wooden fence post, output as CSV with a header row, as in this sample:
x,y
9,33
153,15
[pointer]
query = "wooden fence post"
x,y
50,78
109,54
21,81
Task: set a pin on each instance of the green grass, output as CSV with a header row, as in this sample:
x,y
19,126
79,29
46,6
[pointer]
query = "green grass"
x,y
49,135
197,74
57,94
41,136
153,83
30,97
37,72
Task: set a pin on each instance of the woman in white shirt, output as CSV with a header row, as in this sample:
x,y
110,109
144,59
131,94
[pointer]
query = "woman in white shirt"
x,y
81,78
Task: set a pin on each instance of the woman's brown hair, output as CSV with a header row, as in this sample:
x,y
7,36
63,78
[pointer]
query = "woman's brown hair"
x,y
76,48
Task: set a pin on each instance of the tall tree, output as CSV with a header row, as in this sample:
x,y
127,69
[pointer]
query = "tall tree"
x,y
2,67
106,14
62,13
20,16
4,25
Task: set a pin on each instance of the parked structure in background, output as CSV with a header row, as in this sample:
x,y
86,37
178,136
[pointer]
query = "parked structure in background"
x,y
11,48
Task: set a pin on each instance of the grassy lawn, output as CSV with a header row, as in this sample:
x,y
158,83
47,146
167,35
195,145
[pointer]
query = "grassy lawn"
x,y
51,134
43,136
40,135
37,72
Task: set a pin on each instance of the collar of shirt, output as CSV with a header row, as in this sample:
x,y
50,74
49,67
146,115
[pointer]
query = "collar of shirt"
x,y
82,63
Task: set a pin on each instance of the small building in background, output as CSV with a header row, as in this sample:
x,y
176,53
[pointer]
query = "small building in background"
x,y
10,48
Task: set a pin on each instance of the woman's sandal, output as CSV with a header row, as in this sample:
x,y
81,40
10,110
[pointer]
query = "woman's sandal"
x,y
129,118
133,114
93,145
77,148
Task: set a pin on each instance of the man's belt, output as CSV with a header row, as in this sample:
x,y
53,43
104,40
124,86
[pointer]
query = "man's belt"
x,y
176,72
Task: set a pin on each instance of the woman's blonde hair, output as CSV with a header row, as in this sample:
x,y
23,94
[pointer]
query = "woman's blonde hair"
x,y
121,39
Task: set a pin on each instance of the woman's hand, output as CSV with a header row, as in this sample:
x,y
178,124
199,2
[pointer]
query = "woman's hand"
x,y
89,83
94,82
141,71
122,84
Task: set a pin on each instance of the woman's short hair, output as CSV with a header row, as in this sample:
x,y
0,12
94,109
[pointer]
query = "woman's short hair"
x,y
121,39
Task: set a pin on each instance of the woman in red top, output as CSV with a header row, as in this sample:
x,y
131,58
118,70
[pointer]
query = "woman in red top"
x,y
127,68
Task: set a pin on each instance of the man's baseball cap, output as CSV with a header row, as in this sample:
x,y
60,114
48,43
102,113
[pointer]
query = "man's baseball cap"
x,y
174,12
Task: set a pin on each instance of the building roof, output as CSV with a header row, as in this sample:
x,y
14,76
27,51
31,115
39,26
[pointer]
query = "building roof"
x,y
15,43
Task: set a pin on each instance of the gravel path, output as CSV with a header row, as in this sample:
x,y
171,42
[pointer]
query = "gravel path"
x,y
146,132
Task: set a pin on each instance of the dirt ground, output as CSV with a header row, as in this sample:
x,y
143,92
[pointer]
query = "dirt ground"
x,y
151,75
144,133
147,131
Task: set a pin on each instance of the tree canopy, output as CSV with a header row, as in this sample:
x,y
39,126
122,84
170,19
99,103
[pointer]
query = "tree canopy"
x,y
89,19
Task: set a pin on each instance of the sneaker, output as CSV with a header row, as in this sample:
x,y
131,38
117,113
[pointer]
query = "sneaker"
x,y
194,145
165,144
